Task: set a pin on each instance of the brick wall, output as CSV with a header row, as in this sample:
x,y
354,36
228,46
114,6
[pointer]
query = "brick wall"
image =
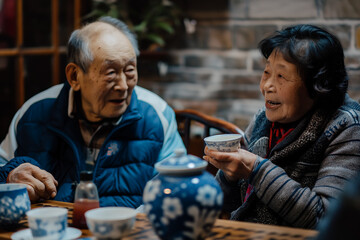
x,y
217,69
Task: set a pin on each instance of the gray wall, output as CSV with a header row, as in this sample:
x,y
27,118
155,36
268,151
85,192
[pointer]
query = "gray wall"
x,y
217,69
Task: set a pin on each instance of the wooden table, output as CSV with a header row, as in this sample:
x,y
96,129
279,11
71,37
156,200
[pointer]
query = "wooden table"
x,y
223,229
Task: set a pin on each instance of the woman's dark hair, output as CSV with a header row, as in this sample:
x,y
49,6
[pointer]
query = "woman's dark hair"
x,y
319,58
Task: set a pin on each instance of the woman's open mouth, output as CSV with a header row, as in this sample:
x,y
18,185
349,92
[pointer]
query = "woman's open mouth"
x,y
271,104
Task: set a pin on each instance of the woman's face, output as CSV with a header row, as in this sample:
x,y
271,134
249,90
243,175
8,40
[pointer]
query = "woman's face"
x,y
286,97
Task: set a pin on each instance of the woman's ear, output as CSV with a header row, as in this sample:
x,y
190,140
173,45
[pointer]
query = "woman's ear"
x,y
72,76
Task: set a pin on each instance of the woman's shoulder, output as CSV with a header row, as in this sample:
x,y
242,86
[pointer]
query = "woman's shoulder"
x,y
349,111
346,119
350,103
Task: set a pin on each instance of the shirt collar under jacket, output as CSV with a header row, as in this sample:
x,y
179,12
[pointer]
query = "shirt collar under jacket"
x,y
72,108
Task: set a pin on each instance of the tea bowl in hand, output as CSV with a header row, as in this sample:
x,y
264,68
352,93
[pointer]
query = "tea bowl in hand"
x,y
223,142
14,203
110,222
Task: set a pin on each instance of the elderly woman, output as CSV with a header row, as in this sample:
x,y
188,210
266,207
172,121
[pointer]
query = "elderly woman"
x,y
303,146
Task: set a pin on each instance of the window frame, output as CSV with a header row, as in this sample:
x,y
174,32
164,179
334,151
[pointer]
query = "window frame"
x,y
55,50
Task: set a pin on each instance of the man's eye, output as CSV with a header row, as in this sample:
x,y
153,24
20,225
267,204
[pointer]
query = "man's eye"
x,y
130,70
111,72
130,73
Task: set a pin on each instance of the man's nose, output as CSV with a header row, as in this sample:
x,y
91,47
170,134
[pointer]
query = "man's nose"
x,y
121,83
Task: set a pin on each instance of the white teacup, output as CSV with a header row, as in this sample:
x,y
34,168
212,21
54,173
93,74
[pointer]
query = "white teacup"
x,y
48,223
223,142
110,222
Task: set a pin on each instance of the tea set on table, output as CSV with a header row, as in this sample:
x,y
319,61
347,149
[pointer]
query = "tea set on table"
x,y
181,202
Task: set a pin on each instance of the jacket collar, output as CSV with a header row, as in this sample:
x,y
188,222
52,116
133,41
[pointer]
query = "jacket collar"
x,y
133,112
61,120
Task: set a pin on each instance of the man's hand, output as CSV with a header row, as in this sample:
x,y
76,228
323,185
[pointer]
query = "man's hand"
x,y
40,184
235,165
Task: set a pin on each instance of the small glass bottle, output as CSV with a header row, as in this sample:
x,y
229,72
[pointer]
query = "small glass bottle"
x,y
86,198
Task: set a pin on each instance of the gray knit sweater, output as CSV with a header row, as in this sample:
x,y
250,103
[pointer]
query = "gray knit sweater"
x,y
304,171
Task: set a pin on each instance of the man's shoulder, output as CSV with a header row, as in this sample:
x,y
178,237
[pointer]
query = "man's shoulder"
x,y
151,98
50,93
42,101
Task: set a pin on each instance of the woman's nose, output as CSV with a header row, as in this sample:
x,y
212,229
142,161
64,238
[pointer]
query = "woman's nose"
x,y
268,84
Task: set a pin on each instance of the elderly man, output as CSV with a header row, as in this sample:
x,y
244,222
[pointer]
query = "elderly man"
x,y
99,120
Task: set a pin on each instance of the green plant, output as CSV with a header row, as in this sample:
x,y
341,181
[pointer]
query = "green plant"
x,y
153,21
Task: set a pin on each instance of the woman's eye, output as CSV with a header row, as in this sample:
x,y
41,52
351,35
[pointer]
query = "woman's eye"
x,y
282,76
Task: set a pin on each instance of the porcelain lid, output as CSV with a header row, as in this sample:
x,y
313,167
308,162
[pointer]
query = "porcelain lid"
x,y
181,164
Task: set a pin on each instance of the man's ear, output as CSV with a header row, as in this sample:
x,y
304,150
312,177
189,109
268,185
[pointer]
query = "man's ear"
x,y
72,76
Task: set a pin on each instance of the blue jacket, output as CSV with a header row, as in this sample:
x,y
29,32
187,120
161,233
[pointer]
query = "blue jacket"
x,y
43,134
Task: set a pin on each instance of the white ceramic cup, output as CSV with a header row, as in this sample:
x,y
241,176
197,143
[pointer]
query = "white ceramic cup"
x,y
223,142
110,222
48,223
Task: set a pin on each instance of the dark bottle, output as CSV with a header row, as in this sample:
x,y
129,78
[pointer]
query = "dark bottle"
x,y
86,198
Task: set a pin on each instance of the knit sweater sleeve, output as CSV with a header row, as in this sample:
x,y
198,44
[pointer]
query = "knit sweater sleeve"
x,y
301,206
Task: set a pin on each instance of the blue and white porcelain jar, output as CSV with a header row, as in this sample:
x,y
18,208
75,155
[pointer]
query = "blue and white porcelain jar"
x,y
184,200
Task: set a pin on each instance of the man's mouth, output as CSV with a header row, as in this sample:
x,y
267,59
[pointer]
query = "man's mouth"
x,y
117,101
272,102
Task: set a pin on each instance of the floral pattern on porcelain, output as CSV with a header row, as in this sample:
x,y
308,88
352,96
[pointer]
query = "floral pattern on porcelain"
x,y
14,203
223,147
183,205
110,222
43,227
48,222
230,143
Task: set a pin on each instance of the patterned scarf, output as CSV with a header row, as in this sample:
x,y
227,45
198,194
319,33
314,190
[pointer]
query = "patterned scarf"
x,y
278,132
305,143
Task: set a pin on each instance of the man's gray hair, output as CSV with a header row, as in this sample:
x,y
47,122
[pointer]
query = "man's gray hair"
x,y
78,49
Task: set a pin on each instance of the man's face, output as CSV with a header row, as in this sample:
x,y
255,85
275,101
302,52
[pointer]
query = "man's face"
x,y
107,86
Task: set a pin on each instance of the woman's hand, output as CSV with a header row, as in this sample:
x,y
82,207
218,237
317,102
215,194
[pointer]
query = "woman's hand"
x,y
235,165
